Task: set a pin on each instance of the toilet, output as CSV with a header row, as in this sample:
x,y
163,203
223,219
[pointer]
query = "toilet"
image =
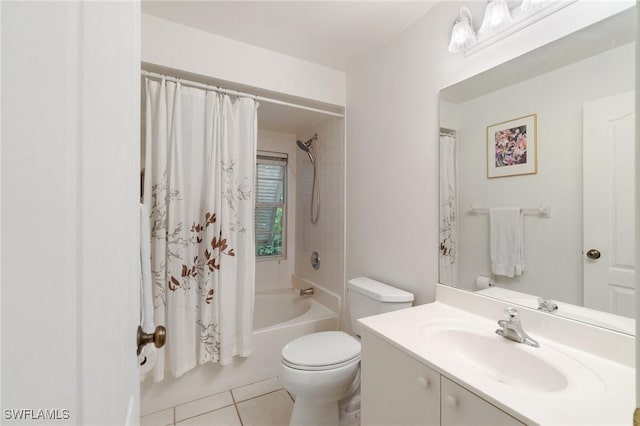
x,y
322,370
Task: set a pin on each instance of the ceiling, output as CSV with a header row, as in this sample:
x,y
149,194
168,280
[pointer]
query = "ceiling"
x,y
335,34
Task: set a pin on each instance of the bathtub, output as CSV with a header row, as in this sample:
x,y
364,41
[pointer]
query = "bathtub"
x,y
280,308
279,316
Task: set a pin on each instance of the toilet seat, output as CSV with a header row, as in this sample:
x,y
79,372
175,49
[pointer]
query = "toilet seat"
x,y
321,351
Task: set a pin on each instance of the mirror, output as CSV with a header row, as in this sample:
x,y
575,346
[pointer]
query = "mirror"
x,y
550,133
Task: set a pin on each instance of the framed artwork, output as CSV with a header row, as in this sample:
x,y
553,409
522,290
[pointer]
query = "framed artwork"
x,y
512,147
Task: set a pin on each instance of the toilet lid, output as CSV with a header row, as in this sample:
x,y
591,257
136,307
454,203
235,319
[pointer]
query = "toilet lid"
x,y
321,349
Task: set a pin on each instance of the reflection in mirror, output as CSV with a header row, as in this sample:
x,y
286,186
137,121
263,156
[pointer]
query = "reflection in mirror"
x,y
552,129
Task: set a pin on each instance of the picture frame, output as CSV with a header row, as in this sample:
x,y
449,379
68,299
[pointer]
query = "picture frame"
x,y
512,147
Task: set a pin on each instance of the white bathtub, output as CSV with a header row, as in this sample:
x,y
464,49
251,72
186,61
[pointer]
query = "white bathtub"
x,y
284,307
279,317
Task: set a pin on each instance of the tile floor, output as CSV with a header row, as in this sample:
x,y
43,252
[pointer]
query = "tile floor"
x,y
263,403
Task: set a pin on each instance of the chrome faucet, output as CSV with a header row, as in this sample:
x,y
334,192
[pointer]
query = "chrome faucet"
x,y
546,305
307,291
511,329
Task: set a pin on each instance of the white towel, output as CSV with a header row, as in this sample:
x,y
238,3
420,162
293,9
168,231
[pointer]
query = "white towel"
x,y
146,297
505,241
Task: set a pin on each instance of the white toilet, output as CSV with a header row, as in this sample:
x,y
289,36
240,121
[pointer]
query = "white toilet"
x,y
322,369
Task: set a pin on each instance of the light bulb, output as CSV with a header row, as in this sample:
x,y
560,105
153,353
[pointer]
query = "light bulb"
x,y
496,17
533,5
462,34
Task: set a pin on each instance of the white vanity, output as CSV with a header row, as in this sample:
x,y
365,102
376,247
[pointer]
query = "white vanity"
x,y
443,364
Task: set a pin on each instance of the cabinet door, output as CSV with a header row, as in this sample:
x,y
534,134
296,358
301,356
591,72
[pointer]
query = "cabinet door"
x,y
463,408
396,388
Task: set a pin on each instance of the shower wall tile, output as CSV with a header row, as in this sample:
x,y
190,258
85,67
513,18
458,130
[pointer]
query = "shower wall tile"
x,y
327,235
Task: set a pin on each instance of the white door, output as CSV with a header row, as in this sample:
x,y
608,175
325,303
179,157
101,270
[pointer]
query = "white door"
x,y
69,161
609,204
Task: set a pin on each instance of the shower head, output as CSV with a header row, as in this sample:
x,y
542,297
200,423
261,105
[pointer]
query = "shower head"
x,y
315,194
306,146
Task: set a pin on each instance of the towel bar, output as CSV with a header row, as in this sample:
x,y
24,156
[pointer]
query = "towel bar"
x,y
542,211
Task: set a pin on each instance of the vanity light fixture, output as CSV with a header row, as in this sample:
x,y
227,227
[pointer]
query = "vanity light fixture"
x,y
496,18
528,6
462,35
499,23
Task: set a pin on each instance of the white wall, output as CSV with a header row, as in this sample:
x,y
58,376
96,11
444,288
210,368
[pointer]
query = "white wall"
x,y
277,273
552,247
392,138
327,235
176,46
449,115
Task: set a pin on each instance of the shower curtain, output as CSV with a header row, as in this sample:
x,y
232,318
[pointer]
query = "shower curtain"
x,y
200,156
448,210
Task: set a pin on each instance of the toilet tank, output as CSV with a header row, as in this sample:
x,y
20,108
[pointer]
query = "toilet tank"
x,y
368,297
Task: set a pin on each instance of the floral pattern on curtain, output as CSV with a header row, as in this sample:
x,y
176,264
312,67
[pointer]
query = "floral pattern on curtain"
x,y
448,210
200,153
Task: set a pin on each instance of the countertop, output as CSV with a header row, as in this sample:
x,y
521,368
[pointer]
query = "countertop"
x,y
605,395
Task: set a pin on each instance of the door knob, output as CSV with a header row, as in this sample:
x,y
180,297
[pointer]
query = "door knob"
x,y
424,382
158,337
451,401
593,254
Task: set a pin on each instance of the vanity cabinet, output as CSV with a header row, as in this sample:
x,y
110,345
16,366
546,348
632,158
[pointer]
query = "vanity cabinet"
x,y
397,389
462,407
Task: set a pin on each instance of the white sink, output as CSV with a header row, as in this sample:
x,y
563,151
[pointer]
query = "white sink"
x,y
559,382
519,366
501,359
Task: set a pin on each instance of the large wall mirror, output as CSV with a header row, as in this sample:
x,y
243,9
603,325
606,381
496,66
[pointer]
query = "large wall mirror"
x,y
549,134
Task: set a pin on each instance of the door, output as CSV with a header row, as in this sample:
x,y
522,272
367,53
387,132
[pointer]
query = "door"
x,y
609,204
69,188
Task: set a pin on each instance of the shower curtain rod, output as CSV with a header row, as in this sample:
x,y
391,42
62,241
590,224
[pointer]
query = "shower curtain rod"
x,y
237,93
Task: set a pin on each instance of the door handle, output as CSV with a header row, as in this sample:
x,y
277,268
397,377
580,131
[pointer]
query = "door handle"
x,y
158,338
593,254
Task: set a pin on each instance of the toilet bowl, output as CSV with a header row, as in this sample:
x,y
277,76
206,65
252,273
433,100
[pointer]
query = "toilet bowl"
x,y
322,370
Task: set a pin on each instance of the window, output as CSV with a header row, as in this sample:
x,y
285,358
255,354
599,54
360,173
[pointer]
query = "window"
x,y
270,215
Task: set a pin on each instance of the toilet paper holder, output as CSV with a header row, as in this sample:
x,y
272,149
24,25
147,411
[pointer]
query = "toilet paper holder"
x,y
483,282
